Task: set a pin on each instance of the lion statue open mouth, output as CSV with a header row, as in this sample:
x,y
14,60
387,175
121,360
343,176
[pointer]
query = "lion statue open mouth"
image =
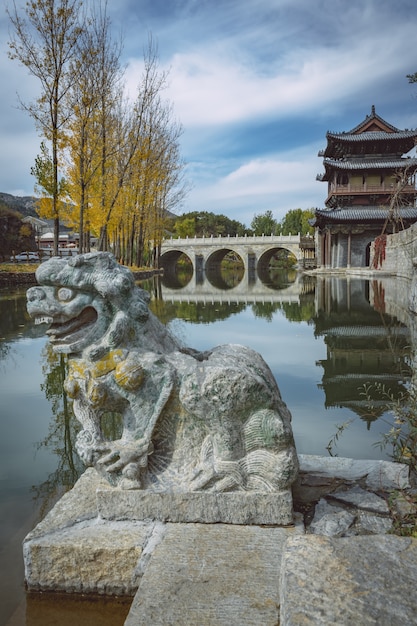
x,y
190,421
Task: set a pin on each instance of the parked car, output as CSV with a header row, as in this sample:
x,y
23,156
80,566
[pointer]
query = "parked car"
x,y
26,257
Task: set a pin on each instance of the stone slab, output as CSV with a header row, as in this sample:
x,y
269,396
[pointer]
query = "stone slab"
x,y
354,581
202,507
76,505
361,499
377,475
212,575
88,557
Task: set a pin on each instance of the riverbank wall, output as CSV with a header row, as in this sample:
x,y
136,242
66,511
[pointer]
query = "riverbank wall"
x,y
17,279
20,279
398,252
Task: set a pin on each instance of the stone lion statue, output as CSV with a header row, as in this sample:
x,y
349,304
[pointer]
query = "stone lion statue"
x,y
189,420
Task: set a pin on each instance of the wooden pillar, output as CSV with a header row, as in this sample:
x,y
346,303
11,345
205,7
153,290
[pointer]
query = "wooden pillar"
x,y
321,250
349,250
329,249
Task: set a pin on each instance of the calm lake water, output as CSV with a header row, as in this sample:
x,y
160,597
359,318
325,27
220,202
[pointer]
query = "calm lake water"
x,y
325,339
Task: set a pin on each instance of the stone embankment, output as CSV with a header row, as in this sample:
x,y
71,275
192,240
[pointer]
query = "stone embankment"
x,y
336,565
17,279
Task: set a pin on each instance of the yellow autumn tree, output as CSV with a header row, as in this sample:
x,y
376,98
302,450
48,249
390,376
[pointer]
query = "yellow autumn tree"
x,y
44,40
94,96
45,187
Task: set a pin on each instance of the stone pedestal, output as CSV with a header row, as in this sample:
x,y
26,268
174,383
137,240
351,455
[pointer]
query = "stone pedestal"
x,y
98,539
197,507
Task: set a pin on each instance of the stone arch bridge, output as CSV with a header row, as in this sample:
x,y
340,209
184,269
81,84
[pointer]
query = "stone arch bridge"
x,y
206,253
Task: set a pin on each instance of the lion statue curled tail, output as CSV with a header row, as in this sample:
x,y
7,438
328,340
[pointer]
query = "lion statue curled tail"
x,y
188,420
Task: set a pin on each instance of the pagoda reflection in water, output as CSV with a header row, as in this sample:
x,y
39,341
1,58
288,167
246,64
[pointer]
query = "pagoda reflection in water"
x,y
368,351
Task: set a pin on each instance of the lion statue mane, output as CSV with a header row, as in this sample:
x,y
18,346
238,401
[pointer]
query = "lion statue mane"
x,y
185,420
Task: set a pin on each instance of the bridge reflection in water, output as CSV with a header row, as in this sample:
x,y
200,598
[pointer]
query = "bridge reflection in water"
x,y
339,337
218,286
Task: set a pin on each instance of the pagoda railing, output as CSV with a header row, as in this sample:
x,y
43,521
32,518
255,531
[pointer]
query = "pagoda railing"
x,y
366,187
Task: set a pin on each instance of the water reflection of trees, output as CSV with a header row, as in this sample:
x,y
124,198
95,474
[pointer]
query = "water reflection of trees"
x,y
228,273
14,319
265,310
178,276
196,312
302,311
63,429
62,432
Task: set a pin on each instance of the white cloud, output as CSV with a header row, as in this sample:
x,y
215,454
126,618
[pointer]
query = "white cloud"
x,y
211,86
278,183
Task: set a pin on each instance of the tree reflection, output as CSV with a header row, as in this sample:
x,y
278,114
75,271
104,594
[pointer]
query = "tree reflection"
x,y
62,431
299,312
195,312
265,310
14,319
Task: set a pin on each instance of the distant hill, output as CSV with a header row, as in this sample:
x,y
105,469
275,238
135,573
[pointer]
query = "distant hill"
x,y
25,206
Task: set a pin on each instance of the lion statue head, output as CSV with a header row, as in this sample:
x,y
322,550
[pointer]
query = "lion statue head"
x,y
91,303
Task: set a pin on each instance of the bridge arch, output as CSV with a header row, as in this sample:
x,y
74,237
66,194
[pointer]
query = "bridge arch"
x,y
169,262
266,256
264,261
169,259
213,268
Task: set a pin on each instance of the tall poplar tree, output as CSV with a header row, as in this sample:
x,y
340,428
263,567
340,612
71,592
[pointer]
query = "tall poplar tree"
x,y
95,91
45,41
131,132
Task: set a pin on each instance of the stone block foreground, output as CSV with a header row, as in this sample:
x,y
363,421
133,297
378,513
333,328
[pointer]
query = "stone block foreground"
x,y
225,574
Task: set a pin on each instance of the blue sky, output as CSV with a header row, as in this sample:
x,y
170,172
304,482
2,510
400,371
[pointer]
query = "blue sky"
x,y
255,83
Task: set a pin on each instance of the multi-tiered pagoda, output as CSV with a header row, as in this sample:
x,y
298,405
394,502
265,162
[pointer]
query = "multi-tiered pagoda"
x,y
371,190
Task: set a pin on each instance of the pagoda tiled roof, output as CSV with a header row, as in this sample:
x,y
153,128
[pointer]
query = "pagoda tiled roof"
x,y
372,135
361,214
370,164
373,118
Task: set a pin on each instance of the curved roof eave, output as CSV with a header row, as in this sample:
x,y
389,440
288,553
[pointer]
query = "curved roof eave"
x,y
372,135
370,164
360,214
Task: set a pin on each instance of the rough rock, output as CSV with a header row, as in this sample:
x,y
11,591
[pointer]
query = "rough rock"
x,y
375,474
231,574
330,520
77,505
403,506
368,524
361,499
351,511
352,581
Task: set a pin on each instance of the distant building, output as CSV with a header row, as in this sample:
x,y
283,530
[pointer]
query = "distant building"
x,y
39,227
364,169
65,240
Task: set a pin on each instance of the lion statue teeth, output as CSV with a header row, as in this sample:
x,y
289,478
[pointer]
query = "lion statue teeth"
x,y
190,421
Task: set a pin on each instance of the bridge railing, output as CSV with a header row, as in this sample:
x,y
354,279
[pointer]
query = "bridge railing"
x,y
220,239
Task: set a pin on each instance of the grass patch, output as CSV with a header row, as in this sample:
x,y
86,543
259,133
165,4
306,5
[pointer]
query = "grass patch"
x,y
18,268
